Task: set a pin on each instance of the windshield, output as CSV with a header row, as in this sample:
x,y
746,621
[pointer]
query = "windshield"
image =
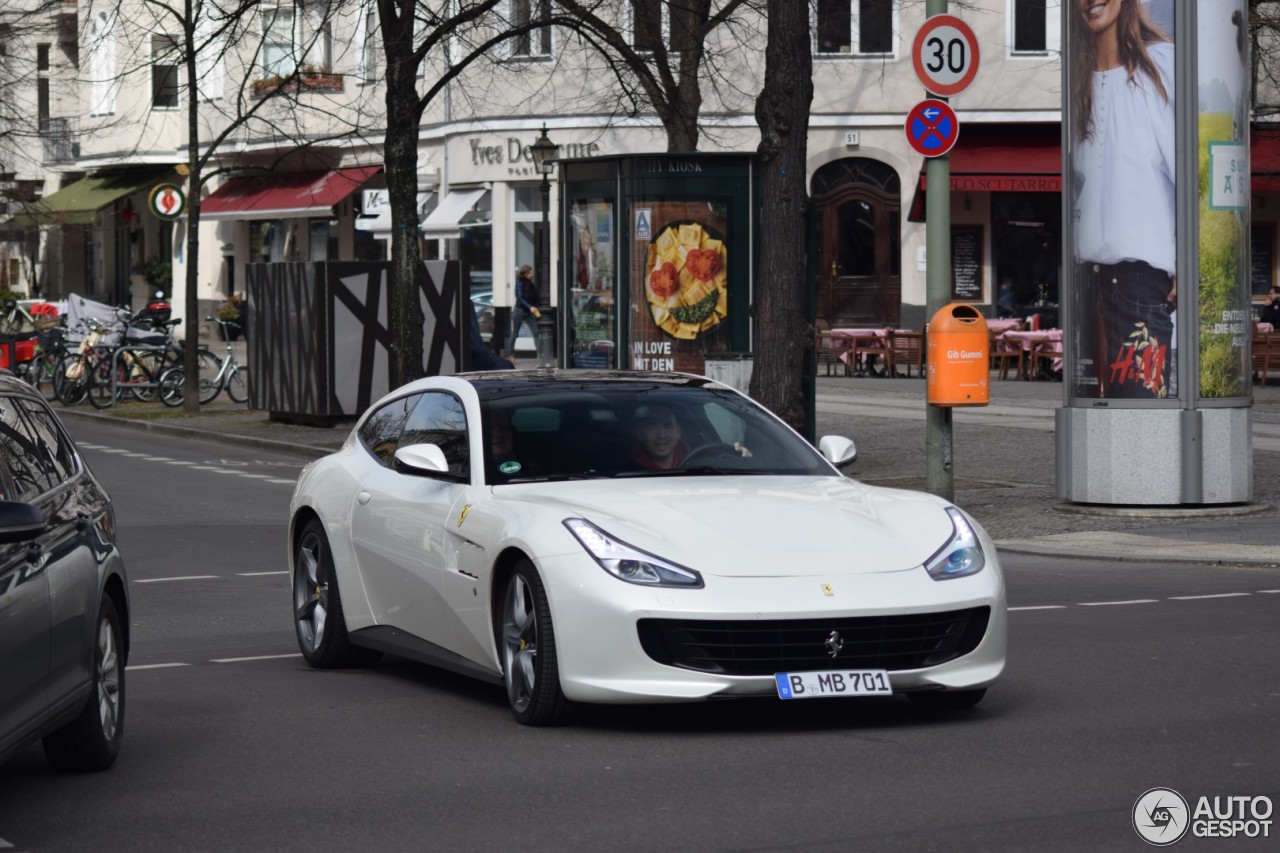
x,y
602,430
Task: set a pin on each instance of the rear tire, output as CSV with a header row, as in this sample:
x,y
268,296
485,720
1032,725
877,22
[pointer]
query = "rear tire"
x,y
530,669
171,390
92,741
318,621
102,395
237,385
209,366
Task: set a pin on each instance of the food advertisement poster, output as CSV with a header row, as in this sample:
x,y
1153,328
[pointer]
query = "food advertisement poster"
x,y
679,283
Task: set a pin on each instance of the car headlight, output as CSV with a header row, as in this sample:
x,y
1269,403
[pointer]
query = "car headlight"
x,y
961,555
627,563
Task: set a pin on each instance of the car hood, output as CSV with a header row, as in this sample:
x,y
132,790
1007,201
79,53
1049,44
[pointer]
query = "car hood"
x,y
758,526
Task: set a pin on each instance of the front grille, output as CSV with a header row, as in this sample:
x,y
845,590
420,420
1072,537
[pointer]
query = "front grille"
x,y
764,647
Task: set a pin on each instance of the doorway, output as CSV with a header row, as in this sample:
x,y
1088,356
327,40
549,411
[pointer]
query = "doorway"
x,y
859,209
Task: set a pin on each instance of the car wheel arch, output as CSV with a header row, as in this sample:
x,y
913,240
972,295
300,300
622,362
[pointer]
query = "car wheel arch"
x,y
115,590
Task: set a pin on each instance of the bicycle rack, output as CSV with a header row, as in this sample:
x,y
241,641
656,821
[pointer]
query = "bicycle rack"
x,y
132,350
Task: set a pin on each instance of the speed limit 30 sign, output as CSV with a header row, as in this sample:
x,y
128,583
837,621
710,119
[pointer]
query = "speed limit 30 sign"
x,y
945,55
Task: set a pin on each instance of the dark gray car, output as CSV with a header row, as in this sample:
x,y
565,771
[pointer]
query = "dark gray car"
x,y
64,594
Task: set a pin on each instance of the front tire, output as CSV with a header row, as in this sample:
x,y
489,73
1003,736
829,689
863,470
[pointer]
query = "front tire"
x,y
529,667
318,622
172,383
91,742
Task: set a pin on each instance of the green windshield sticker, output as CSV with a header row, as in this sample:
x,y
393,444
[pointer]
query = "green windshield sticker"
x,y
509,467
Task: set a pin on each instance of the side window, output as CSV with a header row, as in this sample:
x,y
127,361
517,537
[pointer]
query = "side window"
x,y
53,438
439,419
29,463
380,432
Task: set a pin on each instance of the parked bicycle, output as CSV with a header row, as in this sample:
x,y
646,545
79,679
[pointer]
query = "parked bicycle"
x,y
232,376
41,371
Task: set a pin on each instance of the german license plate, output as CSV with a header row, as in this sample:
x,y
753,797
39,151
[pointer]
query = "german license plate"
x,y
822,685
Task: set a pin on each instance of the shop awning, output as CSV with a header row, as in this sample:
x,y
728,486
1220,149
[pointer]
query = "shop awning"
x,y
1264,159
291,195
1001,158
445,222
79,203
381,221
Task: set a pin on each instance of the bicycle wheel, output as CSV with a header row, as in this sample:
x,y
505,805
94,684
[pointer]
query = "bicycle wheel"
x,y
237,384
210,367
44,375
70,392
171,391
102,392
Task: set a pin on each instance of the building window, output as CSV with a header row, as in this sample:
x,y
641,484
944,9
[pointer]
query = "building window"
x,y
209,66
1029,26
370,37
102,66
320,46
278,58
856,27
535,43
42,57
164,73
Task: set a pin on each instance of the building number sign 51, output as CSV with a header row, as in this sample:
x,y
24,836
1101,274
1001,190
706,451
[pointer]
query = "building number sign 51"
x,y
945,55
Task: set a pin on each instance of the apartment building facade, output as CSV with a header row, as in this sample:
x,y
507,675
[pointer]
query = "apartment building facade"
x,y
295,95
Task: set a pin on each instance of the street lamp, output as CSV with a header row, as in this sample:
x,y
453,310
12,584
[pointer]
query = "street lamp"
x,y
544,154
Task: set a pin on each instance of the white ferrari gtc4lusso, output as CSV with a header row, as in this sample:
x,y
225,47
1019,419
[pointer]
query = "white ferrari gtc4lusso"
x,y
583,536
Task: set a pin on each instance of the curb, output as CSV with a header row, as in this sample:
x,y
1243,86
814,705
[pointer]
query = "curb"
x,y
313,452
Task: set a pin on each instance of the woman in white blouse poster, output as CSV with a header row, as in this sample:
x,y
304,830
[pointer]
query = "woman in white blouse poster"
x,y
1124,202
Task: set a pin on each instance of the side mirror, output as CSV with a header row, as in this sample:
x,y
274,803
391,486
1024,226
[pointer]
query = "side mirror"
x,y
422,459
838,450
20,522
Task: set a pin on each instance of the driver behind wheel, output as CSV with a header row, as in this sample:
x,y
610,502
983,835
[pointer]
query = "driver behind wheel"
x,y
657,444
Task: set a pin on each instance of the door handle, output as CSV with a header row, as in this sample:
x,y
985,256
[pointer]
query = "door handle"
x,y
363,498
835,268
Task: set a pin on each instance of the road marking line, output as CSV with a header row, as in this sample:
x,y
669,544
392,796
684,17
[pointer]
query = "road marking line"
x,y
1112,603
138,455
112,450
226,471
184,578
155,666
1041,607
258,476
259,574
204,468
160,459
259,657
1199,597
179,462
5,844
283,482
1268,591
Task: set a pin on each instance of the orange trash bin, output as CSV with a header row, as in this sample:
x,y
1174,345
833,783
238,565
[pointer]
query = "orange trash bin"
x,y
959,357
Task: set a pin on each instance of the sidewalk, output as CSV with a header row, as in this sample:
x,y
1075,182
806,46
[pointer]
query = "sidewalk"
x,y
1005,478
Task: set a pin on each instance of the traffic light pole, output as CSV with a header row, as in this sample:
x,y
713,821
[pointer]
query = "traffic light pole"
x,y
939,475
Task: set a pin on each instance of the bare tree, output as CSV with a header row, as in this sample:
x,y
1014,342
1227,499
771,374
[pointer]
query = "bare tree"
x,y
782,111
208,55
669,53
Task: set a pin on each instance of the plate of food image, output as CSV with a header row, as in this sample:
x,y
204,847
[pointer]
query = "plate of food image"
x,y
685,279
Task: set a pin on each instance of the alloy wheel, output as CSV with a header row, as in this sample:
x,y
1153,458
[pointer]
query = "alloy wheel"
x,y
310,593
519,643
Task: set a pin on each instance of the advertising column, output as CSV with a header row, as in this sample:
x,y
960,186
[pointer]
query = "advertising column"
x,y
1155,139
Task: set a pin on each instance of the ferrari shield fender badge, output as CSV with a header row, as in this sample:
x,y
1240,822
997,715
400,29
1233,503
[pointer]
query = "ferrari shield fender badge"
x,y
462,516
827,589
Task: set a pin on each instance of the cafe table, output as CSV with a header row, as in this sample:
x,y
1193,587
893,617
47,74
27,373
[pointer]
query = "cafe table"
x,y
1045,343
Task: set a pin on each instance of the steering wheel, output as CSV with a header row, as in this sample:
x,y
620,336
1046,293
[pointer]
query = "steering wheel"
x,y
711,450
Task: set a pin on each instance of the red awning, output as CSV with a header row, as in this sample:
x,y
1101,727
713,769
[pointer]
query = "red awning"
x,y
1001,158
284,196
1264,159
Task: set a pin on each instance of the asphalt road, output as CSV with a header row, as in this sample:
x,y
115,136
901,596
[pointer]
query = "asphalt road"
x,y
1121,678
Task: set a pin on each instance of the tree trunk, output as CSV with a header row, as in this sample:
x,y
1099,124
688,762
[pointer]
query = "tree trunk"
x,y
400,162
783,333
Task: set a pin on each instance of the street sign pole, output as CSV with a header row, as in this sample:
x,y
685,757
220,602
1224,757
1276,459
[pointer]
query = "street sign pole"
x,y
939,474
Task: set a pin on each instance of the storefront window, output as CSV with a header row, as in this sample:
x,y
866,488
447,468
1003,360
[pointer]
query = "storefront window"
x,y
593,314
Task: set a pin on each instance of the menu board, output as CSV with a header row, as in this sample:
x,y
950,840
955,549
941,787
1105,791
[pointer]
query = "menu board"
x,y
966,262
1261,257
